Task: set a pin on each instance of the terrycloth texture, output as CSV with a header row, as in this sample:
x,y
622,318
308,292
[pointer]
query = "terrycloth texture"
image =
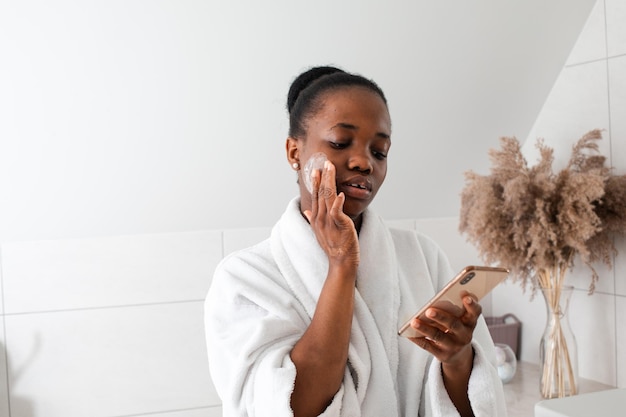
x,y
262,299
486,399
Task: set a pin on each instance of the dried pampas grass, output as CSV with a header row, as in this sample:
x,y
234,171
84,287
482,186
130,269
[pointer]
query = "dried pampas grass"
x,y
534,221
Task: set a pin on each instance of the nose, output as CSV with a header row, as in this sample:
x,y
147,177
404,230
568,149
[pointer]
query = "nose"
x,y
360,161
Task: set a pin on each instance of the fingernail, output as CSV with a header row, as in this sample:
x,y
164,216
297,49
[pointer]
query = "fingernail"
x,y
469,300
431,313
327,165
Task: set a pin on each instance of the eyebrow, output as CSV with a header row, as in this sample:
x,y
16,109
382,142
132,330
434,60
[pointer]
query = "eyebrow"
x,y
353,127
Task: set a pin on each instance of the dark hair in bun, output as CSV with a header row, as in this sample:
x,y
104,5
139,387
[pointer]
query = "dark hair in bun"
x,y
304,97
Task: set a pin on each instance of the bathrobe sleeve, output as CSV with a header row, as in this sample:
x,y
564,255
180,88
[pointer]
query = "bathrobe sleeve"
x,y
485,387
484,390
251,324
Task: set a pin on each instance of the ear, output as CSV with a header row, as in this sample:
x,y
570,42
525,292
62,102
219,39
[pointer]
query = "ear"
x,y
293,150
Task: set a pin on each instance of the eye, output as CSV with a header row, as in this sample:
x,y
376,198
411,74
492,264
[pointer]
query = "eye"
x,y
379,155
338,145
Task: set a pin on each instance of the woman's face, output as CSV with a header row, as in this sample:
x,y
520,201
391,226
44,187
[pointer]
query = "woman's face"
x,y
353,129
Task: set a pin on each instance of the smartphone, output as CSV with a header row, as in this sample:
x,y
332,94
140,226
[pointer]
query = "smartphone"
x,y
478,280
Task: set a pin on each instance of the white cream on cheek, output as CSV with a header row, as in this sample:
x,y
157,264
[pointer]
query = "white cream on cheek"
x,y
315,162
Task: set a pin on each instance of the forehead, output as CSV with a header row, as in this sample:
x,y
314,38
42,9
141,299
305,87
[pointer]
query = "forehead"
x,y
353,104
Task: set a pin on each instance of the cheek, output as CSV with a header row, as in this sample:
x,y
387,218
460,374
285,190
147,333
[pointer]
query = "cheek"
x,y
382,171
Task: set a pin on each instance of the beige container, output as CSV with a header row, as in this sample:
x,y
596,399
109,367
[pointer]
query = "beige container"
x,y
506,329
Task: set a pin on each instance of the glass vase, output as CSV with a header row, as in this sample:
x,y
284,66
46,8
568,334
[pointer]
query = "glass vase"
x,y
558,350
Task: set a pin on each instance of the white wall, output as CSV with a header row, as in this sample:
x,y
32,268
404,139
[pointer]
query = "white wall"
x,y
589,93
107,327
150,116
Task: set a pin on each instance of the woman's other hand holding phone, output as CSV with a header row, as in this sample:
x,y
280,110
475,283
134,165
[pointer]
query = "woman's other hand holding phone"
x,y
448,338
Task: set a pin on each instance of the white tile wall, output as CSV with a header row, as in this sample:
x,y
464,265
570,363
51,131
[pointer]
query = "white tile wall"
x,y
509,297
4,374
1,285
580,277
617,95
620,311
591,43
619,270
4,393
109,362
577,104
592,319
125,270
615,28
108,326
200,412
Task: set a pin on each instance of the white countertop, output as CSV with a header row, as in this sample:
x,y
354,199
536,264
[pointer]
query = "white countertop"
x,y
610,403
522,393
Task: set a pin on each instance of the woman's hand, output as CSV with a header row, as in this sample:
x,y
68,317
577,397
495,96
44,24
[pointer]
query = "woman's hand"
x,y
446,335
333,229
449,338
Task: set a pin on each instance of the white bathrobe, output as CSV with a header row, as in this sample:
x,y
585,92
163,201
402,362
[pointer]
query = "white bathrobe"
x,y
261,302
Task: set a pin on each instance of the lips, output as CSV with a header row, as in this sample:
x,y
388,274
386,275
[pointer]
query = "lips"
x,y
356,187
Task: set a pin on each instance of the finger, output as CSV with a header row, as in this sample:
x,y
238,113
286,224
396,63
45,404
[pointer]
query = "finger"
x,y
330,171
441,319
328,188
336,211
439,335
471,304
428,345
473,309
326,195
315,181
430,332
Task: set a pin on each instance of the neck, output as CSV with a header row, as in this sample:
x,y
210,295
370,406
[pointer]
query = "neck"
x,y
358,221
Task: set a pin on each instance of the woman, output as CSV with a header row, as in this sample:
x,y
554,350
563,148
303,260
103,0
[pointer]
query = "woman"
x,y
305,323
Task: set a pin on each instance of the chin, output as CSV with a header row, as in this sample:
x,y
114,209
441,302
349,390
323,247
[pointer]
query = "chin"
x,y
353,209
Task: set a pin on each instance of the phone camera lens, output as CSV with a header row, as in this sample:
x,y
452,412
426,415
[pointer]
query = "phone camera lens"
x,y
468,278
